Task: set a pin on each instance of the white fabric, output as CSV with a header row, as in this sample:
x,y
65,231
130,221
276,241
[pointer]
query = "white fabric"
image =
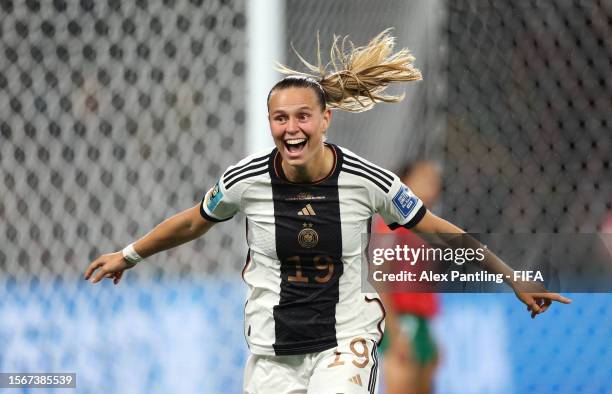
x,y
130,254
357,313
338,370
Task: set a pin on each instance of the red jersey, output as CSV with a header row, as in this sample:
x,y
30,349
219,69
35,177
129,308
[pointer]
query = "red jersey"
x,y
419,304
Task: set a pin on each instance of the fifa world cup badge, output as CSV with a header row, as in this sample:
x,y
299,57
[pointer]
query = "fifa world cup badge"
x,y
404,202
215,197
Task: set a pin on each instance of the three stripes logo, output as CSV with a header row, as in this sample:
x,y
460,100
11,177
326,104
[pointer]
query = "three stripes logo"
x,y
307,211
254,167
379,177
356,379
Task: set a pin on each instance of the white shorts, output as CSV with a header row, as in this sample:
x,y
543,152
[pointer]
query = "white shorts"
x,y
350,368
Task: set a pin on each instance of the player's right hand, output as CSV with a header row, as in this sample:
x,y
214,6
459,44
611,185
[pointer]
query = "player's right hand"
x,y
109,265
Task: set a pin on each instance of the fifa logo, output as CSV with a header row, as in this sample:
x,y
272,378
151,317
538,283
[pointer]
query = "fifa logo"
x,y
308,237
215,190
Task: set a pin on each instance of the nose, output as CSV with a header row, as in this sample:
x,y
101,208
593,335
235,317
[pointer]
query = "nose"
x,y
292,125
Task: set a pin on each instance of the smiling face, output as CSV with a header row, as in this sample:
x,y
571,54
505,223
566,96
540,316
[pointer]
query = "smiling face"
x,y
298,126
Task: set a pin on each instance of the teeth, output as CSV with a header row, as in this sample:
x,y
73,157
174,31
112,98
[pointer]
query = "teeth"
x,y
295,141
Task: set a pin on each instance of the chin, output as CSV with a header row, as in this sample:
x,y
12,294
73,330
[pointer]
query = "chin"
x,y
294,162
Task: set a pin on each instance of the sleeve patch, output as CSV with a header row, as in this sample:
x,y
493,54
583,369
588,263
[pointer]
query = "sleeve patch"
x,y
215,198
404,202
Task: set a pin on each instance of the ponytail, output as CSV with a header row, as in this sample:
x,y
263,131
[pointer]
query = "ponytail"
x,y
355,79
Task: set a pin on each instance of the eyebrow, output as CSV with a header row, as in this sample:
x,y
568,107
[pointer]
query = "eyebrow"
x,y
280,111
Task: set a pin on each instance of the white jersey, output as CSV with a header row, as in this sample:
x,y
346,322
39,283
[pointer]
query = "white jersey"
x,y
303,268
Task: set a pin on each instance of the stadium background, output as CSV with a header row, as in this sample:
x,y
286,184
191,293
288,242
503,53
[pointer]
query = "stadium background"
x,y
115,115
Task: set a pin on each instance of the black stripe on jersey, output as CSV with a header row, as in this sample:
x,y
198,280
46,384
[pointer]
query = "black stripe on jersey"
x,y
373,371
245,176
248,256
369,171
374,168
366,176
412,222
227,178
305,317
236,169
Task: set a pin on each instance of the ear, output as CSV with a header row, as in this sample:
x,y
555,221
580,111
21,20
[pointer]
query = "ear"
x,y
327,117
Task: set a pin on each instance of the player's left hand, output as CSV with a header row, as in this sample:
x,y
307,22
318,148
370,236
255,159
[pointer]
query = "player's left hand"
x,y
539,302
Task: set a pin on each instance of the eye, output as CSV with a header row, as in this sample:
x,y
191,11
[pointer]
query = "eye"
x,y
280,118
304,116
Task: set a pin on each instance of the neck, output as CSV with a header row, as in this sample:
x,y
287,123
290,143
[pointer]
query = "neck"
x,y
316,169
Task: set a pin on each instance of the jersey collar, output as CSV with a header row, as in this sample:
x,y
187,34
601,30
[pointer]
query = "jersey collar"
x,y
276,170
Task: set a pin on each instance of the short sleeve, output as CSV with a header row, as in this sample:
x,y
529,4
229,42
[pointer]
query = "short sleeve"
x,y
400,206
220,204
224,199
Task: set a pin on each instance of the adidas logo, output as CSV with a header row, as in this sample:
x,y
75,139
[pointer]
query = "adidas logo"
x,y
307,211
356,379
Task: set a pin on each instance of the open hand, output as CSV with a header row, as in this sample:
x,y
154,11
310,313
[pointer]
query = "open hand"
x,y
109,266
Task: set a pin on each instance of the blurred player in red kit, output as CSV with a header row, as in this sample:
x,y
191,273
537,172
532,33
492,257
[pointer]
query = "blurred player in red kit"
x,y
411,354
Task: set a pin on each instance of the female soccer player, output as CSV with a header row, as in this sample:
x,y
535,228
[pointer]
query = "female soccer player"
x,y
307,202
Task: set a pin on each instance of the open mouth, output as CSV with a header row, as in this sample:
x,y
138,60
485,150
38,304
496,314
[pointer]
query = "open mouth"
x,y
295,145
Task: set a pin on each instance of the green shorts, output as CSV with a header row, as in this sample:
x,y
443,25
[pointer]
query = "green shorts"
x,y
416,329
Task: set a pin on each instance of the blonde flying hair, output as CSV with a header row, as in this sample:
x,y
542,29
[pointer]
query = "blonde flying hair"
x,y
355,78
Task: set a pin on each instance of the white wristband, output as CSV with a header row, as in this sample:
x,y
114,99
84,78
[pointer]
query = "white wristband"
x,y
130,255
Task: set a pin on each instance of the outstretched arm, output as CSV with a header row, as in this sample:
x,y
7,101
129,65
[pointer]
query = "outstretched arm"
x,y
537,301
174,231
